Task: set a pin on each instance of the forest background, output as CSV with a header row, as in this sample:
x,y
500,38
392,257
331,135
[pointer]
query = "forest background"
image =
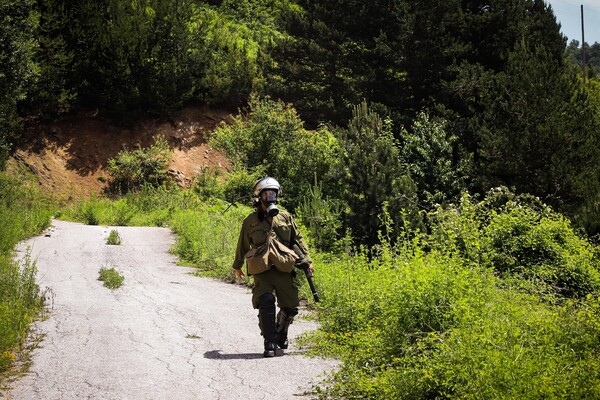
x,y
441,156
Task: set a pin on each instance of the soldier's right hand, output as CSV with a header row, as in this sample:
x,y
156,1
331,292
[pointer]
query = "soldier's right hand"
x,y
239,274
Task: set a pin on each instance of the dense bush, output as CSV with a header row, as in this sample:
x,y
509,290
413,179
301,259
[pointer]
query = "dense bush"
x,y
433,317
131,169
17,69
520,237
429,153
207,237
374,179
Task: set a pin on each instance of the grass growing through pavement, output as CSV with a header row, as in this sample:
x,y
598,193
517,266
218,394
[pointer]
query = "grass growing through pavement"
x,y
113,238
111,277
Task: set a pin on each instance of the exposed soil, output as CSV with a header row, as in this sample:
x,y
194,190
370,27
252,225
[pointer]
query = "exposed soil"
x,y
70,156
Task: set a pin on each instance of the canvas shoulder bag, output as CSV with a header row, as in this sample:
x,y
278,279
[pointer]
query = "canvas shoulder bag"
x,y
257,259
272,252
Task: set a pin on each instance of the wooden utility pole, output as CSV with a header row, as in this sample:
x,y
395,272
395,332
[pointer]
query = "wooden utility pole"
x,y
583,47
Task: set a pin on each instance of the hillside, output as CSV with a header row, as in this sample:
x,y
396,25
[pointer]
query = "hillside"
x,y
70,156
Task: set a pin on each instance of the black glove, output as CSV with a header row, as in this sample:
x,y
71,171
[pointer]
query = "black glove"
x,y
302,263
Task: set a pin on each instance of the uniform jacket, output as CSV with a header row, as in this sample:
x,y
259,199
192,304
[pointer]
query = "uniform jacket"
x,y
255,229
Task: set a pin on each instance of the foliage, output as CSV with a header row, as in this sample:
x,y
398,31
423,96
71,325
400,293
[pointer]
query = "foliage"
x,y
432,317
238,186
111,277
428,151
545,145
113,238
17,69
229,48
54,59
130,58
207,237
574,52
271,138
206,184
374,176
519,236
24,212
20,302
322,218
131,169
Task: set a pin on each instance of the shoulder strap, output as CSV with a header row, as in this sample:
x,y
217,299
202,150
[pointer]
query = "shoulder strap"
x,y
270,231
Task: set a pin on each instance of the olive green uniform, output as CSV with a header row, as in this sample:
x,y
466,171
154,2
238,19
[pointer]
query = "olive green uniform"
x,y
253,234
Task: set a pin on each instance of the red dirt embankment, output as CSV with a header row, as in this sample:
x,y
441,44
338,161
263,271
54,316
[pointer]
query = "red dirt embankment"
x,y
70,156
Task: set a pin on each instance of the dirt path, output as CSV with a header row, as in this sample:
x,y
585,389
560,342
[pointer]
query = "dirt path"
x,y
165,334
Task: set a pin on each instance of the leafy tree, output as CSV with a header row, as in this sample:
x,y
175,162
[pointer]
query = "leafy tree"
x,y
54,57
538,132
17,69
592,56
132,55
429,153
228,49
375,178
271,137
337,54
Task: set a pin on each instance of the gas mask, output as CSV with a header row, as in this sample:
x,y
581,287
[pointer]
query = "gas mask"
x,y
269,199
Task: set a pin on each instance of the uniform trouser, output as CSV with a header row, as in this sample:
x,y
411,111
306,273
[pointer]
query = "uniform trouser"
x,y
282,283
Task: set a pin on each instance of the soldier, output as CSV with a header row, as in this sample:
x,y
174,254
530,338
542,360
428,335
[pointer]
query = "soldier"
x,y
271,284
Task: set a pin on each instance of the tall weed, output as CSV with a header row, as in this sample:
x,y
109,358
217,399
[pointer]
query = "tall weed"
x,y
207,238
23,212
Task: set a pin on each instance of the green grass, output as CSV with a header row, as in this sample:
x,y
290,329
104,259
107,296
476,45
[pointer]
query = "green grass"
x,y
24,212
111,277
113,238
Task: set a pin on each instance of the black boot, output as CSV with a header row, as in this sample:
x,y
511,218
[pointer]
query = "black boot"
x,y
285,317
266,318
270,348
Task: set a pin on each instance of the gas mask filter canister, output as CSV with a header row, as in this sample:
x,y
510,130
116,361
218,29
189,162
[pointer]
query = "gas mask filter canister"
x,y
269,199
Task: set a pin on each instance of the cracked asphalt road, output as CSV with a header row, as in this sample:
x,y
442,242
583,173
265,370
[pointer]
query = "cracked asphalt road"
x,y
165,334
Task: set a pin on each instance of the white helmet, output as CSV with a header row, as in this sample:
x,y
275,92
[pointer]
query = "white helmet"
x,y
266,183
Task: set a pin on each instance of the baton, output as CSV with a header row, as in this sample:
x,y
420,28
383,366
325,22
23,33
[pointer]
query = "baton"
x,y
303,265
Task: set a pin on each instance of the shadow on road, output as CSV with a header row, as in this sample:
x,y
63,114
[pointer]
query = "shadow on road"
x,y
216,355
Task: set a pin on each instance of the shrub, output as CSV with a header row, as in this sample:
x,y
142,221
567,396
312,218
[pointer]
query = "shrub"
x,y
24,212
238,186
428,151
20,302
207,183
122,212
519,236
375,176
91,211
207,237
130,170
322,219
